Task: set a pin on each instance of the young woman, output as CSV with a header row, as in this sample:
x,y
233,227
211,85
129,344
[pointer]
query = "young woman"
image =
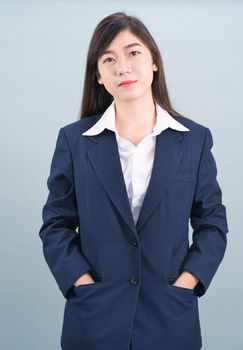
x,y
130,174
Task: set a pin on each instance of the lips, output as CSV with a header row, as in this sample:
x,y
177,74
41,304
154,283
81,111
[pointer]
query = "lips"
x,y
127,82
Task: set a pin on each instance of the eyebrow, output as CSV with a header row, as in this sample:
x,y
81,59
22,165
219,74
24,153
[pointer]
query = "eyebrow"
x,y
125,47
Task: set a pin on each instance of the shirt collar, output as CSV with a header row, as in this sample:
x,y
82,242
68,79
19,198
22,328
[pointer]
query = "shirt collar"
x,y
163,121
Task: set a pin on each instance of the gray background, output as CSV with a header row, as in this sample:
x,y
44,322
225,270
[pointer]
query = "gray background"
x,y
43,53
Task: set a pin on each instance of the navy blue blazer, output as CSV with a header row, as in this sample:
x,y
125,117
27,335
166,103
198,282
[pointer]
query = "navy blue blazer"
x,y
132,303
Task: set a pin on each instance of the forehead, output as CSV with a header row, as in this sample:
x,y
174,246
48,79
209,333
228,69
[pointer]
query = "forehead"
x,y
123,41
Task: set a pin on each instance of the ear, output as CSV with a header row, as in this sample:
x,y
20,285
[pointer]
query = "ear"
x,y
155,68
99,79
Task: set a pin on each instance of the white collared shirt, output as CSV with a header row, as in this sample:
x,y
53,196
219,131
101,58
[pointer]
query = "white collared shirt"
x,y
136,161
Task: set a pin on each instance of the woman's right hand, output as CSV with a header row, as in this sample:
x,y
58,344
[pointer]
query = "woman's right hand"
x,y
84,279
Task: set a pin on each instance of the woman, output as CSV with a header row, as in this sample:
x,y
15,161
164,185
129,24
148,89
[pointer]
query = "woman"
x,y
129,174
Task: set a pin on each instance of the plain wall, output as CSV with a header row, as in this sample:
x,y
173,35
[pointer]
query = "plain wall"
x,y
42,61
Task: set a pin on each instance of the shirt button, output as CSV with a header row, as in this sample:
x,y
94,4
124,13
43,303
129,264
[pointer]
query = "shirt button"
x,y
133,280
134,242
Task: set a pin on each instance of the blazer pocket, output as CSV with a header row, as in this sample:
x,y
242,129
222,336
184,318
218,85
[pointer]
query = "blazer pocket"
x,y
172,280
184,176
97,280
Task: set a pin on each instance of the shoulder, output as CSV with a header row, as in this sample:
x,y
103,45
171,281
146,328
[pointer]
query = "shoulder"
x,y
198,131
80,126
194,126
199,135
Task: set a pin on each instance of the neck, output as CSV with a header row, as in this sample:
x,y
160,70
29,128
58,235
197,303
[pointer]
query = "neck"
x,y
136,114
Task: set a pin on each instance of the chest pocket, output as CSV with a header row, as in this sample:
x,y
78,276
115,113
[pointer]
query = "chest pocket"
x,y
184,176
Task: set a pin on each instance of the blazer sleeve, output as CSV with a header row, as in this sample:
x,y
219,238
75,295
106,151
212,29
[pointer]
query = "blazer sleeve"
x,y
208,220
61,245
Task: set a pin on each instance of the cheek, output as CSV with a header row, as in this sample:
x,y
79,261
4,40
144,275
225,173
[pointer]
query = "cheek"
x,y
147,76
145,71
105,79
104,74
108,85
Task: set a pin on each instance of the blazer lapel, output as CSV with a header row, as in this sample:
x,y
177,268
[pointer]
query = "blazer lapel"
x,y
106,162
167,158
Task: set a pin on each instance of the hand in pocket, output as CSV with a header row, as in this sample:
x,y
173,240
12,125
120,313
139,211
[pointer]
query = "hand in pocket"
x,y
86,278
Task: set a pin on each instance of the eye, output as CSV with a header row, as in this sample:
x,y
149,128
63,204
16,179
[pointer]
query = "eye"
x,y
135,52
107,59
131,52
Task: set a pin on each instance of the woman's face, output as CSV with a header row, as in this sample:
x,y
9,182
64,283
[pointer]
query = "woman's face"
x,y
128,59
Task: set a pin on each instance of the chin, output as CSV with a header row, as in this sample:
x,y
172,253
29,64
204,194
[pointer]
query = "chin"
x,y
129,97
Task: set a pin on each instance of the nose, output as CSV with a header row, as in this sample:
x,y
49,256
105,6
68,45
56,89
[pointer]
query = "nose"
x,y
122,67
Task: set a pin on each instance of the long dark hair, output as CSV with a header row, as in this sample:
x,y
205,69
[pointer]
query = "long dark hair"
x,y
96,99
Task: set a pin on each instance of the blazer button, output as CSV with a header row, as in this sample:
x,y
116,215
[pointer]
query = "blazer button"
x,y
134,242
133,280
